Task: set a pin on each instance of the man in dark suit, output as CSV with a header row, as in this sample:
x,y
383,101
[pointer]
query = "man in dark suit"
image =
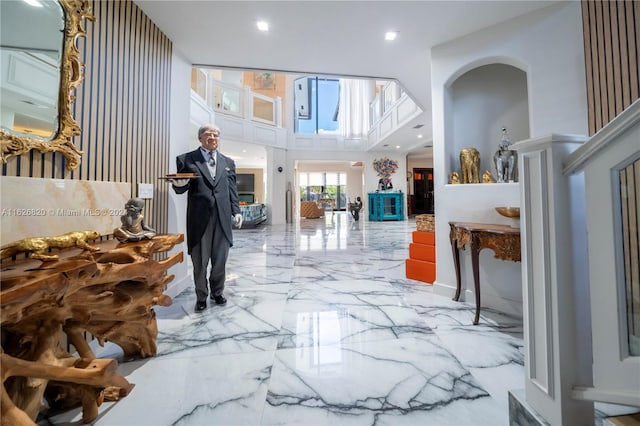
x,y
212,206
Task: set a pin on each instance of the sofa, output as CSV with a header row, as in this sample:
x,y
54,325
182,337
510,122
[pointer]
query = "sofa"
x,y
310,210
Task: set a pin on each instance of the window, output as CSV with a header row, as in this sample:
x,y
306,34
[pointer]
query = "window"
x,y
318,185
316,103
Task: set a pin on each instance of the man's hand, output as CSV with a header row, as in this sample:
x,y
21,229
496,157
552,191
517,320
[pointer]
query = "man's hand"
x,y
179,182
237,220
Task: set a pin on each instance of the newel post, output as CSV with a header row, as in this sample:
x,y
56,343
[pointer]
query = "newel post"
x,y
555,286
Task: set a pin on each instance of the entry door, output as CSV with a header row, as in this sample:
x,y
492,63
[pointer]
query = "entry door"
x,y
423,190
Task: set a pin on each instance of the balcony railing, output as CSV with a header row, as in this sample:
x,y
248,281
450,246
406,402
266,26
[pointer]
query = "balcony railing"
x,y
241,102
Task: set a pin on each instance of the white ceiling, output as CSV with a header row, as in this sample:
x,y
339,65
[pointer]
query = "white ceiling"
x,y
338,38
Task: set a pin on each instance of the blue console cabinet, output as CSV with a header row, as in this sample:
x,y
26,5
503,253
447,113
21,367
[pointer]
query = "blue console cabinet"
x,y
386,206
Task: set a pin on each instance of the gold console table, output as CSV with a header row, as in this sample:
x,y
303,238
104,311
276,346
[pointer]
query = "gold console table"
x,y
502,239
109,293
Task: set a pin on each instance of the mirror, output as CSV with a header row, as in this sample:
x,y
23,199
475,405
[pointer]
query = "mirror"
x,y
40,70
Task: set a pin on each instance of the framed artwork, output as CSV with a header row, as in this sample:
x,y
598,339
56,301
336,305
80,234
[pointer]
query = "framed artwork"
x,y
264,81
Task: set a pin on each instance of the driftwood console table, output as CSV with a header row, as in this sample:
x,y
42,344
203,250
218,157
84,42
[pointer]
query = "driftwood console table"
x,y
503,240
109,293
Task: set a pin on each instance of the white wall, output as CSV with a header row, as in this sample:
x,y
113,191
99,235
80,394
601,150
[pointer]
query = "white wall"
x,y
547,45
181,137
483,100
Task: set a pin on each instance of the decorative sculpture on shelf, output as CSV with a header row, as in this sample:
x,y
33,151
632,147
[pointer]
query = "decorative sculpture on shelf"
x,y
354,208
385,167
454,178
384,184
506,160
133,227
487,177
36,247
470,165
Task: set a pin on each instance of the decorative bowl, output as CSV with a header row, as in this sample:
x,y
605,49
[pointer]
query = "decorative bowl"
x,y
510,212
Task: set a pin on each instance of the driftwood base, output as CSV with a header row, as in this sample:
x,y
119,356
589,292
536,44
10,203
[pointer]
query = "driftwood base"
x,y
108,293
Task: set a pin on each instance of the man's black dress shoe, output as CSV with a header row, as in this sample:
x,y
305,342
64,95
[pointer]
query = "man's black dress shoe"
x,y
201,306
219,300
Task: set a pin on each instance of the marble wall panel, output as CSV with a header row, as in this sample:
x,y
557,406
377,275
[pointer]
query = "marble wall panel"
x,y
34,207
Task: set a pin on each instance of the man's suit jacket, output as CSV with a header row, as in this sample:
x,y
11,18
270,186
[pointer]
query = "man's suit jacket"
x,y
206,194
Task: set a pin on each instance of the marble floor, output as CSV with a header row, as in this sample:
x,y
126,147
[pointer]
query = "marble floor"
x,y
322,328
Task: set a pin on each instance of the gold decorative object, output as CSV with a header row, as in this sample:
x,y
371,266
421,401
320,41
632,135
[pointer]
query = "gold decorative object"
x,y
36,247
454,178
510,212
487,177
470,165
72,72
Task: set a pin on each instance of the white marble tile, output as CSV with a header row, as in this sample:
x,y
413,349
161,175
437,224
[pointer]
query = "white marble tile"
x,y
403,381
327,312
221,390
250,321
322,328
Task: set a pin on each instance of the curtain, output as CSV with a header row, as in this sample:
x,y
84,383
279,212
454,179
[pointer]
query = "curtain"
x,y
353,114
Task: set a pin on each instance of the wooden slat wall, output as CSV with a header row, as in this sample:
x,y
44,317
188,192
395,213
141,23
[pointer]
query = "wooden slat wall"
x,y
612,58
122,107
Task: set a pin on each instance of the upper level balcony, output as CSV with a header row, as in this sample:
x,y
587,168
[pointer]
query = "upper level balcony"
x,y
247,116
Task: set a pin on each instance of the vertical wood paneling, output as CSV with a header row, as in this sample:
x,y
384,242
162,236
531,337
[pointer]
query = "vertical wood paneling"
x,y
122,107
633,26
589,69
615,57
611,43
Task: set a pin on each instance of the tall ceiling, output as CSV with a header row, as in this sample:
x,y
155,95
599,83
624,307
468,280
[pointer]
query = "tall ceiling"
x,y
337,38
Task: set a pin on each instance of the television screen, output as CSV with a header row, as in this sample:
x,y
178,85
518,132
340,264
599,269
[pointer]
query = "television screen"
x,y
247,198
245,182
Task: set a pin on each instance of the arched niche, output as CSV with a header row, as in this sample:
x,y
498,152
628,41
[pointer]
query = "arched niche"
x,y
479,103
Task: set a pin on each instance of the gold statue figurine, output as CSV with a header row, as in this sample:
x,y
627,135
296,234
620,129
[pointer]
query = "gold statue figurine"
x,y
36,247
470,165
487,177
454,178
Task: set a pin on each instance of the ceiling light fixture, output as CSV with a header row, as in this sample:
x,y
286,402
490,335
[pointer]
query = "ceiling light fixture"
x,y
419,136
391,35
262,25
397,146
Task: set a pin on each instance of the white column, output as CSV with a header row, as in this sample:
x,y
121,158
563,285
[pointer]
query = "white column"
x,y
553,298
276,177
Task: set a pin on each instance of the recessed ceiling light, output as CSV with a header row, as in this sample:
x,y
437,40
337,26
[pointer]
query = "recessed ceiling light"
x,y
391,35
419,136
397,146
262,25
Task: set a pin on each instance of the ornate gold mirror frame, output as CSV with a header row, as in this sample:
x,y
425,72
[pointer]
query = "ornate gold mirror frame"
x,y
71,74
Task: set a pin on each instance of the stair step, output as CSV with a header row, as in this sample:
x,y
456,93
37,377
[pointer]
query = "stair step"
x,y
421,270
422,237
422,252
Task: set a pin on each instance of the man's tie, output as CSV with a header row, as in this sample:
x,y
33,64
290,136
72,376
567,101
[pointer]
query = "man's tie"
x,y
212,164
